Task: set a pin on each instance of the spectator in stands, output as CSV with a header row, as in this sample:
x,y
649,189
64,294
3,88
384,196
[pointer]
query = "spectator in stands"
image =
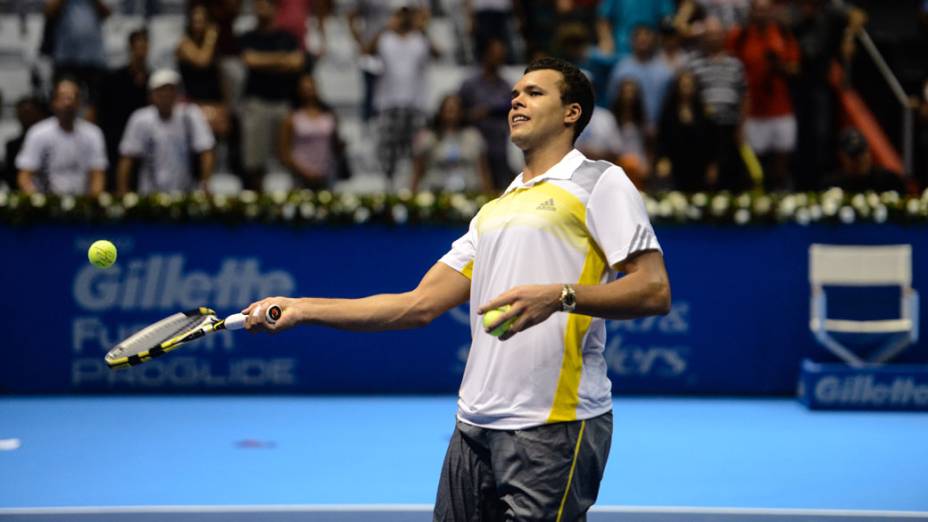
x,y
538,21
29,111
684,144
601,139
490,20
688,22
146,8
723,86
64,154
171,141
366,20
856,171
223,13
451,156
273,59
293,16
619,20
674,55
771,58
729,13
572,43
124,91
825,33
405,51
628,111
77,43
486,100
198,62
647,69
309,138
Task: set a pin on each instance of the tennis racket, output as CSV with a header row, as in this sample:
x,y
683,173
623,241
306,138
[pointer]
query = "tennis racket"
x,y
173,332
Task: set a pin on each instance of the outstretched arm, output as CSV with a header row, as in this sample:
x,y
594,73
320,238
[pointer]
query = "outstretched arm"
x,y
441,288
643,291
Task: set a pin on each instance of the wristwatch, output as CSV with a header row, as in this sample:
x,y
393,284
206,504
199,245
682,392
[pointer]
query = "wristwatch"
x,y
568,299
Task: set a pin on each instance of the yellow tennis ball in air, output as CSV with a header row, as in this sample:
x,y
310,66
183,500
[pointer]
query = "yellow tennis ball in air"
x,y
493,315
102,254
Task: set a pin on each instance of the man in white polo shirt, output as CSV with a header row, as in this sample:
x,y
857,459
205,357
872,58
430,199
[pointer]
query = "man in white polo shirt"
x,y
64,154
535,405
167,137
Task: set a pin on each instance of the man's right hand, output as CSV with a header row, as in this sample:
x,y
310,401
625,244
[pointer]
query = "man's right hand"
x,y
257,322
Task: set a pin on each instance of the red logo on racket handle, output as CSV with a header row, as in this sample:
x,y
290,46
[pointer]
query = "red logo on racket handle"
x,y
272,314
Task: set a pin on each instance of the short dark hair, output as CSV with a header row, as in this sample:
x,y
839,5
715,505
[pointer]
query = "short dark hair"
x,y
576,87
136,34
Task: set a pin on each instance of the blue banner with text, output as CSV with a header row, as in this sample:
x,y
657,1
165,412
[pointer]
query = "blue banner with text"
x,y
739,323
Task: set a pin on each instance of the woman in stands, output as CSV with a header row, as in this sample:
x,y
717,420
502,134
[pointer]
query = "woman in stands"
x,y
450,156
198,63
684,148
628,111
309,141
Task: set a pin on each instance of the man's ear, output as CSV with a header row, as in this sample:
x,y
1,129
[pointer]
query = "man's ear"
x,y
572,114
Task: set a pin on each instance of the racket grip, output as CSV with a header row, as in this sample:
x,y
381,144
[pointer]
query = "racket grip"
x,y
235,322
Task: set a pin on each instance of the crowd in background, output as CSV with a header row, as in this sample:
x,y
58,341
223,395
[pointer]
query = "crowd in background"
x,y
692,95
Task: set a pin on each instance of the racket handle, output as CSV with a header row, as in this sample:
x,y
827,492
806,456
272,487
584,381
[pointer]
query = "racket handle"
x,y
235,322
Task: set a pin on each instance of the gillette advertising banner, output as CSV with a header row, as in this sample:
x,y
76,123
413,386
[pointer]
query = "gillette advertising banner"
x,y
739,323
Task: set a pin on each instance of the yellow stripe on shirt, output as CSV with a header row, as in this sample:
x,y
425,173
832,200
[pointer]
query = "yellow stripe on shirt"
x,y
468,270
567,395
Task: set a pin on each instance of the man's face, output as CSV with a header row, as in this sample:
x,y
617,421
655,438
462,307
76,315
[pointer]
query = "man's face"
x,y
163,98
761,11
405,18
66,101
138,49
537,112
265,10
714,38
495,55
643,42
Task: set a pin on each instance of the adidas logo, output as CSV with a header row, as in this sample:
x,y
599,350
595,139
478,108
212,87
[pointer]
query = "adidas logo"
x,y
547,205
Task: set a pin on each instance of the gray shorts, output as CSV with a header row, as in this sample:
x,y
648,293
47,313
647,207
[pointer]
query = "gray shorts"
x,y
261,124
550,472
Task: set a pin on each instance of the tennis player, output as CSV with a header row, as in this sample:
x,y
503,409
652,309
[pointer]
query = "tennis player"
x,y
534,420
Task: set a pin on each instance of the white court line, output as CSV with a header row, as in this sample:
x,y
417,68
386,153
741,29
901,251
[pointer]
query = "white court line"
x,y
393,508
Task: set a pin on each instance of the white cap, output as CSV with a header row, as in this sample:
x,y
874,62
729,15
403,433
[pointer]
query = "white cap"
x,y
163,77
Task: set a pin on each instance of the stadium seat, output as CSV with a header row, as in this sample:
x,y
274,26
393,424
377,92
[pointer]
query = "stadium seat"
x,y
863,266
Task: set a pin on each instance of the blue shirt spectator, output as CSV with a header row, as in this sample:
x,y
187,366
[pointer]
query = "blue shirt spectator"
x,y
650,72
79,34
623,16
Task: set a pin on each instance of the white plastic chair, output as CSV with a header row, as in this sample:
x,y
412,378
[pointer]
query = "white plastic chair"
x,y
862,266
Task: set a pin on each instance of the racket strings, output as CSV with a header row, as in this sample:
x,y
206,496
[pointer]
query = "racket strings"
x,y
156,334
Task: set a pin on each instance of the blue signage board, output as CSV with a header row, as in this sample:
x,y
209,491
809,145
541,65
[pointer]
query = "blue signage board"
x,y
739,323
899,387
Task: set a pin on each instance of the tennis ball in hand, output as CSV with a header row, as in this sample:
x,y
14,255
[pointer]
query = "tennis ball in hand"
x,y
102,254
493,315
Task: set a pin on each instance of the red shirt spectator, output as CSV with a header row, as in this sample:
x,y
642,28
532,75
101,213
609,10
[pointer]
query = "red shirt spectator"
x,y
768,52
291,17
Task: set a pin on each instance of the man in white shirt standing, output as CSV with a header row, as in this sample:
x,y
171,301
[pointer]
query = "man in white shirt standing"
x,y
405,50
64,154
534,421
167,137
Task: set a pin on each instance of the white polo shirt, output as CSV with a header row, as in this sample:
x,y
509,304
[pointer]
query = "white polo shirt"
x,y
165,146
61,161
572,224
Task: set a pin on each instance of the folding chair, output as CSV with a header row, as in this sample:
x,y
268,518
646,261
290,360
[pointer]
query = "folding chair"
x,y
863,266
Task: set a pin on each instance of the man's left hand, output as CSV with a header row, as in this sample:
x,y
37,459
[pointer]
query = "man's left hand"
x,y
531,303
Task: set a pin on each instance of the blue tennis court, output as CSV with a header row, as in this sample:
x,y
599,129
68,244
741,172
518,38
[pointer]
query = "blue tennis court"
x,y
375,458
